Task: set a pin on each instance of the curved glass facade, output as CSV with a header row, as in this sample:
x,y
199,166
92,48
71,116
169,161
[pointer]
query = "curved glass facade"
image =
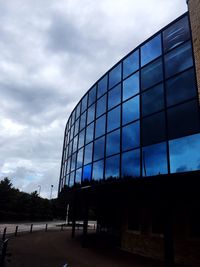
x,y
141,118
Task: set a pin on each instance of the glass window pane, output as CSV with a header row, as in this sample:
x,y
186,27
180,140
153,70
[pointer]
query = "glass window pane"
x,y
70,149
131,110
131,86
100,126
75,142
87,173
88,153
113,119
83,120
76,128
78,109
73,116
78,176
71,179
91,113
73,163
114,96
153,129
71,132
113,143
151,74
183,119
176,34
184,154
181,88
98,168
131,164
178,59
102,86
131,64
131,136
153,100
68,165
79,158
84,103
99,146
92,95
115,76
81,138
154,160
90,133
151,50
101,106
112,167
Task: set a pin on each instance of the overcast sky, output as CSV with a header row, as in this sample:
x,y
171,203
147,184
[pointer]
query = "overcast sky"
x,y
51,52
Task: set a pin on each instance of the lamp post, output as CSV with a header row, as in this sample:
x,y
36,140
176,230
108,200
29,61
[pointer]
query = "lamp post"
x,y
39,190
51,189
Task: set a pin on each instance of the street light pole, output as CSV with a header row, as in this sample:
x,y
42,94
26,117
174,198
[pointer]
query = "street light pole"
x,y
51,191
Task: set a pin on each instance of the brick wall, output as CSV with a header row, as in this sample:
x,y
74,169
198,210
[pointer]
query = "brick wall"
x,y
194,11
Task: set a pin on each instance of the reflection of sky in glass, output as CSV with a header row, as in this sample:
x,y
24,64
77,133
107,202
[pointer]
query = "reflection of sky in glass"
x,y
100,126
113,143
151,50
75,143
102,86
81,138
114,96
78,176
79,158
113,119
83,120
76,127
84,103
154,159
131,86
68,164
89,133
176,34
91,113
98,170
115,76
151,74
131,136
101,106
87,172
71,179
178,59
73,162
88,153
131,163
112,167
185,154
99,145
131,64
78,109
130,110
92,96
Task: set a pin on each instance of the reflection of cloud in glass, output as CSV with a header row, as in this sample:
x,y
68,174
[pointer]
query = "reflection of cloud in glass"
x,y
87,172
98,168
112,167
131,163
185,152
113,143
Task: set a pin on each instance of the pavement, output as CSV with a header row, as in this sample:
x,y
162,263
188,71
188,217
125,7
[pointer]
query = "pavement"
x,y
58,249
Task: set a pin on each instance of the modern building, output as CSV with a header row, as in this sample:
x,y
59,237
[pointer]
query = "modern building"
x,y
134,140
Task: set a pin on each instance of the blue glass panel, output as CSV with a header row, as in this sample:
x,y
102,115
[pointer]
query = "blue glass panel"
x,y
75,142
181,88
153,129
112,167
91,113
78,109
71,132
79,158
131,64
92,95
131,110
98,168
101,106
68,165
113,119
70,149
151,50
99,146
176,34
90,133
131,136
115,76
87,172
114,96
78,176
83,120
76,128
154,159
84,103
88,153
183,119
73,116
178,59
71,179
100,126
131,163
113,143
73,163
153,100
184,154
151,74
102,86
81,138
131,86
